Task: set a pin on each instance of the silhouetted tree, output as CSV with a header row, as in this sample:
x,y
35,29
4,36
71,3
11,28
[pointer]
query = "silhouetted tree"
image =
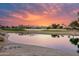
x,y
48,27
56,26
74,24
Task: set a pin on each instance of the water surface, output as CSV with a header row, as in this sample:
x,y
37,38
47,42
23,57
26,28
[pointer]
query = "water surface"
x,y
61,42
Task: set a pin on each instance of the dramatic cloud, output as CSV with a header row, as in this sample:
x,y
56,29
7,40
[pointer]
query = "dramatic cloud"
x,y
40,14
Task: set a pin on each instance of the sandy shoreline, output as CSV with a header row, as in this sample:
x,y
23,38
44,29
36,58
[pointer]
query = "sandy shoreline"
x,y
16,49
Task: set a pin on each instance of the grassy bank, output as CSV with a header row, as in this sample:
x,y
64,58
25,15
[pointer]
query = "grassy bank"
x,y
44,31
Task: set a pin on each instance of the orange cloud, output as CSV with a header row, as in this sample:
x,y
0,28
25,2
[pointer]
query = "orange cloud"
x,y
36,19
45,20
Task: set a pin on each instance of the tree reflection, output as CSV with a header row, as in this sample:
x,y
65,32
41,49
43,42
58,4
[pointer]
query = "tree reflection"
x,y
78,48
53,35
75,41
62,35
68,36
21,33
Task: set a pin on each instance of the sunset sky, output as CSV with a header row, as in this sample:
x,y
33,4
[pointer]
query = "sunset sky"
x,y
40,14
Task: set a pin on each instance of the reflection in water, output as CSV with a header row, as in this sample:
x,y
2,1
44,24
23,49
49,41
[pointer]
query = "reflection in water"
x,y
20,34
51,41
75,41
55,35
62,35
68,36
78,48
52,35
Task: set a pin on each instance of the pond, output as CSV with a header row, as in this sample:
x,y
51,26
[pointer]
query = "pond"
x,y
61,42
